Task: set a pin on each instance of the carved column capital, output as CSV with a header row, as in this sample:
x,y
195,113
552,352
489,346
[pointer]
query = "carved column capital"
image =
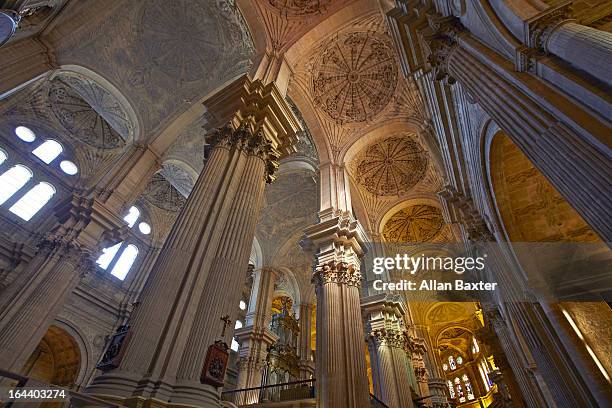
x,y
441,40
341,273
539,28
253,142
388,337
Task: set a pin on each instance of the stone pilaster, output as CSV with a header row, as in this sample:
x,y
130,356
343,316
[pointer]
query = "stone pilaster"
x,y
389,346
198,276
255,337
254,343
340,359
32,301
307,366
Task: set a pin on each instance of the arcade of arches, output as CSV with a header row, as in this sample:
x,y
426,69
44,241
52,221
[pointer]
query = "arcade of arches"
x,y
186,180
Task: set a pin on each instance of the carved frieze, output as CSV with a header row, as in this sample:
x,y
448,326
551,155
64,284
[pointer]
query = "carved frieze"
x,y
389,338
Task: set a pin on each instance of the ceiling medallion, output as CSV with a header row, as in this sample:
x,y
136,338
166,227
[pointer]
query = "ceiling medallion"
x,y
391,166
80,119
162,194
300,7
419,223
355,77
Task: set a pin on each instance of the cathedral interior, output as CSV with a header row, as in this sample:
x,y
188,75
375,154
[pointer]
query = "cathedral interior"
x,y
192,193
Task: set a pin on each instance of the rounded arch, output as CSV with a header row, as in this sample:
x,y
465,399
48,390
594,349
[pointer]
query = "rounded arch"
x,y
256,257
392,209
287,285
105,98
60,358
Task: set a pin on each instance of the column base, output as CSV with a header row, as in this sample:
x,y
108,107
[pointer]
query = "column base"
x,y
128,390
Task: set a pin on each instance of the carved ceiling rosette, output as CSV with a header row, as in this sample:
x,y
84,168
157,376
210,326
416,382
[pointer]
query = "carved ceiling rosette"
x,y
299,8
418,223
160,193
86,122
354,77
390,167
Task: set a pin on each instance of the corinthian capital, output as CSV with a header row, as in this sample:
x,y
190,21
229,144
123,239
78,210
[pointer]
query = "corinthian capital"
x,y
246,138
539,27
441,40
341,273
389,337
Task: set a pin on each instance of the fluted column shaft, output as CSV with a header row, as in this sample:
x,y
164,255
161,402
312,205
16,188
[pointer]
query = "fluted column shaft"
x,y
31,302
255,337
197,276
305,350
340,362
584,47
48,279
578,165
390,365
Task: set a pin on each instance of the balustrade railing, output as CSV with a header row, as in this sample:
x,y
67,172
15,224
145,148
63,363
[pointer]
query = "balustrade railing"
x,y
290,391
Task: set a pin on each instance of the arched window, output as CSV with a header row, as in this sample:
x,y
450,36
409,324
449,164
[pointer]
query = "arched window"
x,y
235,346
484,378
3,156
445,367
451,389
108,254
459,389
476,347
238,324
33,201
459,360
468,386
69,167
242,305
132,216
451,362
48,151
12,180
125,262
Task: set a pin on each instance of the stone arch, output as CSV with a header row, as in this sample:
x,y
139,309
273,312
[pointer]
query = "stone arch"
x,y
58,359
286,285
104,98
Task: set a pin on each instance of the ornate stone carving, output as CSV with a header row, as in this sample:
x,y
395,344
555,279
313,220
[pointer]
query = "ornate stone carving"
x,y
213,23
83,120
539,27
441,41
296,8
389,337
162,194
336,272
253,142
305,145
419,223
355,76
178,177
391,167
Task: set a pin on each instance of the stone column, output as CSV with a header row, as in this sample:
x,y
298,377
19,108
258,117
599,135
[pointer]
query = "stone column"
x,y
565,147
340,359
30,304
198,275
307,366
554,32
388,344
255,337
436,383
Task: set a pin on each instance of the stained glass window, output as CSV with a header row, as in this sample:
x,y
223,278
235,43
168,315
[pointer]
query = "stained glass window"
x,y
451,362
468,386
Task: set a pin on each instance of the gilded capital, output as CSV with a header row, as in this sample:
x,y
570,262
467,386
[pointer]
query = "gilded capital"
x,y
389,337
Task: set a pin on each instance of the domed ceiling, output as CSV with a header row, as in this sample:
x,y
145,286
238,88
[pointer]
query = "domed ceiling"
x,y
355,76
418,223
391,166
296,8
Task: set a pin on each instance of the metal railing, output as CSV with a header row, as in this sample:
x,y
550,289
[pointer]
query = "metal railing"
x,y
72,398
290,391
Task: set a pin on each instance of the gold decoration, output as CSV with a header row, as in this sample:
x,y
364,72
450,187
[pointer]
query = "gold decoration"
x,y
419,223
